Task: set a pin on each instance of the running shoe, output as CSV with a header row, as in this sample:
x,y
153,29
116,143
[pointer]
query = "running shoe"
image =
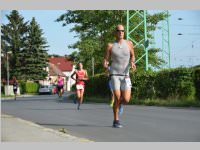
x,y
116,124
121,109
74,100
78,106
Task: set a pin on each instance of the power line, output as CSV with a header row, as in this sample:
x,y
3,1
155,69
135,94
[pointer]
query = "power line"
x,y
186,25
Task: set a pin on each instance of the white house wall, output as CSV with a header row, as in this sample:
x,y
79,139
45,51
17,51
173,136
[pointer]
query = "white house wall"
x,y
70,81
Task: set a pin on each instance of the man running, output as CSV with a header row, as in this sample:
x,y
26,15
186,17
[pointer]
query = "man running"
x,y
81,76
15,86
122,55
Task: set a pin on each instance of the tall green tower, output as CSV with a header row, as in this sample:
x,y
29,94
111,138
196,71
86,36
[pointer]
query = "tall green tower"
x,y
141,17
166,52
131,28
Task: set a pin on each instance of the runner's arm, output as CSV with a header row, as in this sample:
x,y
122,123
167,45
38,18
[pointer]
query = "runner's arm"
x,y
132,55
86,76
107,56
72,76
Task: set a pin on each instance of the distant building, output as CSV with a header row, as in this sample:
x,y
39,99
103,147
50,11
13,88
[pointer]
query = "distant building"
x,y
63,66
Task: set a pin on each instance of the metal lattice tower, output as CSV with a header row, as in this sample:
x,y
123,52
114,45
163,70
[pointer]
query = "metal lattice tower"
x,y
141,18
166,52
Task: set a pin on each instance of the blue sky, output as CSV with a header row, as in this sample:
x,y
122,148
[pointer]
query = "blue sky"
x,y
185,49
58,37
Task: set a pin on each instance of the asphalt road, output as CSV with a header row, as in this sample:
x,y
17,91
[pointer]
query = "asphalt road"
x,y
94,121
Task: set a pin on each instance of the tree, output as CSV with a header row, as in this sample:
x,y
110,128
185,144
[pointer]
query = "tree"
x,y
95,29
12,39
53,55
34,56
74,57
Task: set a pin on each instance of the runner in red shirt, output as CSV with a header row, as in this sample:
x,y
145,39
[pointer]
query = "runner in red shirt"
x,y
81,76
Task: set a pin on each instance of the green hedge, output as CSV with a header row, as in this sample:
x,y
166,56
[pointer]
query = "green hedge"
x,y
143,85
2,89
175,83
97,86
165,84
28,87
32,87
22,86
197,82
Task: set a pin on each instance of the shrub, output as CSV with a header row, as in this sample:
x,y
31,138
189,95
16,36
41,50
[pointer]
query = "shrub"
x,y
32,87
97,86
28,87
166,84
143,85
22,86
197,83
175,83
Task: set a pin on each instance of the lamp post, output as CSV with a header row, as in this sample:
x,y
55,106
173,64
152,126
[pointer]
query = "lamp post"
x,y
8,74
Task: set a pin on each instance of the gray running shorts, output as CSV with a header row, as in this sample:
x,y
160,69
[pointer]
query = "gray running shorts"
x,y
121,82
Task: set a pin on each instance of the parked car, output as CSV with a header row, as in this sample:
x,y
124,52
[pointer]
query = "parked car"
x,y
46,89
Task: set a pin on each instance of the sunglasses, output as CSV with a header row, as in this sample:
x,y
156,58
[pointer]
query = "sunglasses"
x,y
120,30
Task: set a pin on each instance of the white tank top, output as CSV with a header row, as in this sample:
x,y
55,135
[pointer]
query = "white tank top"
x,y
120,55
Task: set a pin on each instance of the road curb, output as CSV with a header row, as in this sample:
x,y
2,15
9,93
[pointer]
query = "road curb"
x,y
24,96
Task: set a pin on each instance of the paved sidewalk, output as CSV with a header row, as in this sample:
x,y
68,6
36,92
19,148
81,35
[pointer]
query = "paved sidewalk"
x,y
17,130
65,94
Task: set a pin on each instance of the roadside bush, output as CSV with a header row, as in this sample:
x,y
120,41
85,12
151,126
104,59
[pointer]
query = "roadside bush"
x,y
97,86
73,88
165,84
32,87
22,86
197,83
143,85
28,87
2,89
175,83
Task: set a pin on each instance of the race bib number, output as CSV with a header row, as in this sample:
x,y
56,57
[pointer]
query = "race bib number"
x,y
15,87
128,82
79,87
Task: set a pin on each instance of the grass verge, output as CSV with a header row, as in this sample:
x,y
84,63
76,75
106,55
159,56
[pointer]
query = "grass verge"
x,y
147,102
170,103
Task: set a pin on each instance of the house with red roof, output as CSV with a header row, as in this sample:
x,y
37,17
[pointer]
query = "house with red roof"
x,y
62,66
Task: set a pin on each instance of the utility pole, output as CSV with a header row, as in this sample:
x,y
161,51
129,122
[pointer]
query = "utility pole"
x,y
8,73
166,50
93,66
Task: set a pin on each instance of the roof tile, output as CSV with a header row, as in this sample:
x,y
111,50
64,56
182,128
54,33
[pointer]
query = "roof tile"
x,y
62,63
